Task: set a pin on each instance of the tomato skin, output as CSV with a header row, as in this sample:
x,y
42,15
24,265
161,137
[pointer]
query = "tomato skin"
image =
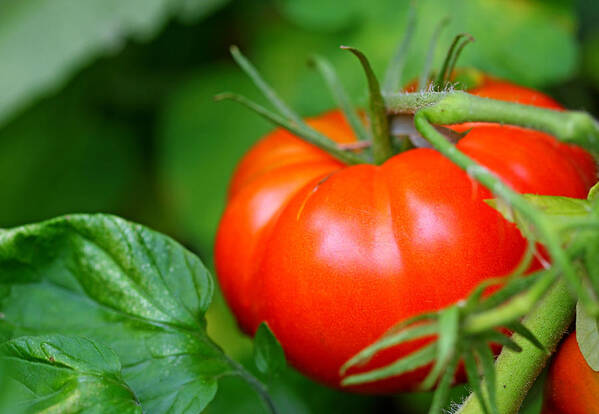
x,y
264,181
332,256
572,386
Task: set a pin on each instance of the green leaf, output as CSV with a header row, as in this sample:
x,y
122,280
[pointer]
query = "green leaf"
x,y
390,340
65,375
268,354
587,336
474,298
510,289
559,206
288,118
43,42
124,286
448,325
269,93
379,122
564,212
416,359
327,70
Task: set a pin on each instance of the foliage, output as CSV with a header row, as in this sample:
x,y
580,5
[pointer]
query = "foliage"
x,y
79,375
127,287
88,28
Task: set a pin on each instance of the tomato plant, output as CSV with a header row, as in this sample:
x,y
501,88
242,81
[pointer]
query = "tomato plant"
x,y
331,256
338,230
572,386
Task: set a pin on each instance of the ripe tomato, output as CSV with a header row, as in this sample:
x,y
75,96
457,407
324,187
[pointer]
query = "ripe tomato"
x,y
331,255
572,386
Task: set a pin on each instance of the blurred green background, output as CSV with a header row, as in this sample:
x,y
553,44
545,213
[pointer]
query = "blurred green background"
x,y
106,105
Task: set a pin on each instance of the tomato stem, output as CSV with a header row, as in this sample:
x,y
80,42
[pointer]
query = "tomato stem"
x,y
381,137
443,108
287,118
516,371
329,74
302,130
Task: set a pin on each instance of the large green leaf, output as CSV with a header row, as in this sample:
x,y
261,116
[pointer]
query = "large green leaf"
x,y
64,375
42,42
125,286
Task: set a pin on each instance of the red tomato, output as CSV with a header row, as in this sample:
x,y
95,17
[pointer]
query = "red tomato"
x,y
572,386
331,256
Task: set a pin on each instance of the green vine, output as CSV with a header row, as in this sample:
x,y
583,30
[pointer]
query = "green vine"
x,y
443,108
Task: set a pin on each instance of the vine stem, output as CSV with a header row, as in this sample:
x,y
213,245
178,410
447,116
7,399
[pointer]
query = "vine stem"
x,y
517,371
381,137
457,106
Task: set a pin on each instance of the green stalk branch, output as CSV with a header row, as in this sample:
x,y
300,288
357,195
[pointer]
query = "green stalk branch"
x,y
443,108
517,371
